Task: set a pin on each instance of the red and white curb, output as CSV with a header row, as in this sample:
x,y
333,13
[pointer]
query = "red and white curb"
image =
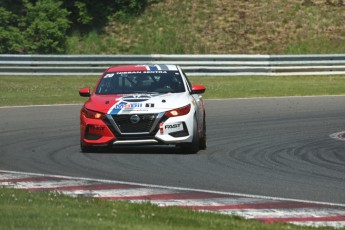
x,y
264,209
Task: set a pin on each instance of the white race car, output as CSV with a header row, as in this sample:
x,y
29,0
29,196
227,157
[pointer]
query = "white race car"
x,y
143,104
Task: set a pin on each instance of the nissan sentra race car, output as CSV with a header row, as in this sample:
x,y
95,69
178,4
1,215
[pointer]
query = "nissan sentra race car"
x,y
143,104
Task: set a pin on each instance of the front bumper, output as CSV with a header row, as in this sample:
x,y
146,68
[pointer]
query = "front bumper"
x,y
151,129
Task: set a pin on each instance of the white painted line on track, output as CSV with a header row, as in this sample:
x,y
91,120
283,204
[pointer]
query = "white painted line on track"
x,y
11,176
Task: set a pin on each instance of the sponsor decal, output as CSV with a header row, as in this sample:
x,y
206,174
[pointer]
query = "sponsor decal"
x,y
129,72
97,128
150,105
125,105
159,71
122,105
109,75
138,72
173,127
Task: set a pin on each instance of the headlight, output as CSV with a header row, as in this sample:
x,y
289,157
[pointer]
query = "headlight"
x,y
92,114
179,111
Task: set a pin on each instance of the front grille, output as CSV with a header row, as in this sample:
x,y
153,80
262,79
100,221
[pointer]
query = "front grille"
x,y
144,125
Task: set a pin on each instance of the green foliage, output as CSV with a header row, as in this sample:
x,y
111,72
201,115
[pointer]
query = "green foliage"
x,y
38,27
41,26
84,17
11,39
89,15
46,26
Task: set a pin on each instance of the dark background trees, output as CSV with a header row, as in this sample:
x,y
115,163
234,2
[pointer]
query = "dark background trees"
x,y
41,26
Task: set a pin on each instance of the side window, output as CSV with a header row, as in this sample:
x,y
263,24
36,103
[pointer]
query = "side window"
x,y
178,84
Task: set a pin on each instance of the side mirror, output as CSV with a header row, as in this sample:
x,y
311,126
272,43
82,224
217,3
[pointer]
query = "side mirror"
x,y
198,89
85,92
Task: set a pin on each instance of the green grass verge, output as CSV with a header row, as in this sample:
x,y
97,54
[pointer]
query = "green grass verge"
x,y
24,90
259,86
35,90
41,210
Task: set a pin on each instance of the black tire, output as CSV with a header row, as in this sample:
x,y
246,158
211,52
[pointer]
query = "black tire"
x,y
92,149
192,147
203,139
86,149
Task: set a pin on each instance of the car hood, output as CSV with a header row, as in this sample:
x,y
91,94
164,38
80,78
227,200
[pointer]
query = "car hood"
x,y
137,103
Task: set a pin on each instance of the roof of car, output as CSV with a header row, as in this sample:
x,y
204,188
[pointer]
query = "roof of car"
x,y
142,68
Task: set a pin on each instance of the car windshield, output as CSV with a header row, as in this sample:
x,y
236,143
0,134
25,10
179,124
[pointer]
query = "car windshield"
x,y
141,82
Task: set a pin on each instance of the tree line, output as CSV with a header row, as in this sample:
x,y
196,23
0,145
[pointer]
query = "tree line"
x,y
42,26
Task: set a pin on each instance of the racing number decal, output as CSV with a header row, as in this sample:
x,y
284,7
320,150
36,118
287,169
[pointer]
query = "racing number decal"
x,y
109,75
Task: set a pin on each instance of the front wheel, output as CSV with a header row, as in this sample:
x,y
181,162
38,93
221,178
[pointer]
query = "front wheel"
x,y
192,147
85,149
93,149
203,139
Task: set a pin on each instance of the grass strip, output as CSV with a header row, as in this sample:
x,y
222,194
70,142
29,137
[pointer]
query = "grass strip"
x,y
41,210
30,90
269,86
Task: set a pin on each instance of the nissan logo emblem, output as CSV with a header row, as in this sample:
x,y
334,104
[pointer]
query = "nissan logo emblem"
x,y
134,119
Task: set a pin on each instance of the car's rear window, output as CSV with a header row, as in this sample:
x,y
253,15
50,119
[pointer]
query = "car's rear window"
x,y
141,82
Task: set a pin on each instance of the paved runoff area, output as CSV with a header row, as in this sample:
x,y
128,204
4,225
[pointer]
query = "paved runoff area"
x,y
265,209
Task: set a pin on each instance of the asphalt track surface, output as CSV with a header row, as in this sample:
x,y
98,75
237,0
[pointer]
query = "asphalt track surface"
x,y
277,147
